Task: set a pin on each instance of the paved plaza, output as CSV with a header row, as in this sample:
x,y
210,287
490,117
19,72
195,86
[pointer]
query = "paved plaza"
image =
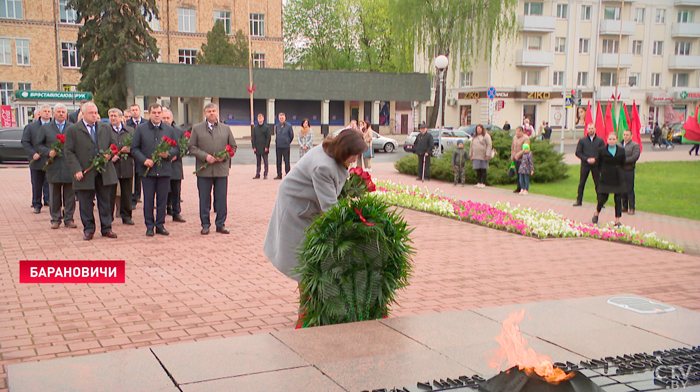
x,y
187,287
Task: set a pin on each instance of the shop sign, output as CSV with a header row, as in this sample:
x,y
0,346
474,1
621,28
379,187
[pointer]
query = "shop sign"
x,y
31,94
659,99
686,95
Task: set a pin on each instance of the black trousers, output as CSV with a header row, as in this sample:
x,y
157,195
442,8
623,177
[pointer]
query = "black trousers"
x,y
603,198
87,206
124,199
39,186
282,153
481,176
62,195
517,178
695,147
264,158
628,198
155,192
174,196
204,186
595,173
136,194
427,167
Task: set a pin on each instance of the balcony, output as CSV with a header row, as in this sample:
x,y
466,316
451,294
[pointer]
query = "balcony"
x,y
534,58
612,27
534,23
609,60
605,93
680,30
684,62
687,3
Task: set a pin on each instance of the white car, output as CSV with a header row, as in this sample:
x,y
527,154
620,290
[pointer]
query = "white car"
x,y
447,140
379,142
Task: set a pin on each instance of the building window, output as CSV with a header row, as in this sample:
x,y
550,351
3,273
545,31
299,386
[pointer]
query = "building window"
x,y
560,45
225,17
639,15
24,86
534,8
533,43
70,87
637,47
530,78
681,79
634,79
152,20
5,52
611,46
6,93
685,16
258,60
186,20
11,9
582,79
68,15
586,12
257,25
611,13
22,46
558,78
660,15
70,55
608,79
583,45
187,56
562,11
658,49
656,79
682,48
466,78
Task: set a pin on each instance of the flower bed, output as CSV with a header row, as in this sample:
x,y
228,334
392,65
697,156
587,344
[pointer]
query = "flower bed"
x,y
521,220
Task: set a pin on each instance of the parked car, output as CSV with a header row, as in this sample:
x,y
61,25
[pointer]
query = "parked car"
x,y
11,145
379,142
445,139
677,129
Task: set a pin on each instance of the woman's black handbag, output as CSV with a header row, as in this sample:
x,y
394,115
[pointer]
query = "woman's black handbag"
x,y
511,170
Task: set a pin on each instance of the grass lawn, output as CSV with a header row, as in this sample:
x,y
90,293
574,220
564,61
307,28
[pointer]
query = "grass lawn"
x,y
667,188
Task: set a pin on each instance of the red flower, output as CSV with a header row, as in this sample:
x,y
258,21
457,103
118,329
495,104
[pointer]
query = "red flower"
x,y
230,151
61,138
365,176
170,141
114,149
356,170
371,187
188,134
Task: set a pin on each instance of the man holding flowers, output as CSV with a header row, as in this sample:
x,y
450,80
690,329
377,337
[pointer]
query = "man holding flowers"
x,y
213,145
124,165
88,153
152,149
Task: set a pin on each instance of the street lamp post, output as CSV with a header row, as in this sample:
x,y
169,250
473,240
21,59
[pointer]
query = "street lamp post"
x,y
441,63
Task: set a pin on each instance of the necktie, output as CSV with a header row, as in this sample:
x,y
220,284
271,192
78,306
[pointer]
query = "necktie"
x,y
60,127
93,134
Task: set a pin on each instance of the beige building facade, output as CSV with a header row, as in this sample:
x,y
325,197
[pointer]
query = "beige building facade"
x,y
643,51
37,41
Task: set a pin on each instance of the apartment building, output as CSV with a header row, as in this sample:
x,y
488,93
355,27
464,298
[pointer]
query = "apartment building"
x,y
646,51
38,42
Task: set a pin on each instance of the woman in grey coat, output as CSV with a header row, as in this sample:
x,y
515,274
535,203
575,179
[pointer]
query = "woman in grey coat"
x,y
310,188
306,138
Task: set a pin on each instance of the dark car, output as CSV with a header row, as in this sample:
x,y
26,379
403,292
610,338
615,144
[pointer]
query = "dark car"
x,y
11,146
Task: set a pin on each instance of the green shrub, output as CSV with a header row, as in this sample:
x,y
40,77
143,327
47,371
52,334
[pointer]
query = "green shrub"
x,y
549,165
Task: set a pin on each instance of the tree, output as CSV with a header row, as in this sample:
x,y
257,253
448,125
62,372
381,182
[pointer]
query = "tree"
x,y
113,34
219,50
462,30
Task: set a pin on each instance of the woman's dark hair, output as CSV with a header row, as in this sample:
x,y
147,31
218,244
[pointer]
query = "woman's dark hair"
x,y
348,143
306,120
476,130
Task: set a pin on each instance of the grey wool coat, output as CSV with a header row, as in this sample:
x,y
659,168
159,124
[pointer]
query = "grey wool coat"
x,y
204,142
79,150
58,172
310,188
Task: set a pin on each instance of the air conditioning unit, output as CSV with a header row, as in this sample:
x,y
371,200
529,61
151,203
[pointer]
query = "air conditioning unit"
x,y
451,102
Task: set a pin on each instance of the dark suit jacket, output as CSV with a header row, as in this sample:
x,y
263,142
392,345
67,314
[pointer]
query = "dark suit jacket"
x,y
612,179
29,137
124,166
424,143
261,138
589,149
73,117
177,163
79,150
58,172
130,122
146,138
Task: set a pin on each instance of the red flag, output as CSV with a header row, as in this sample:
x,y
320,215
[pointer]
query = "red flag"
x,y
636,126
589,117
692,128
609,128
599,123
627,115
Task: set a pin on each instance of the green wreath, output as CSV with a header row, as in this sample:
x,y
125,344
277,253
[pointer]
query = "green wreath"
x,y
354,259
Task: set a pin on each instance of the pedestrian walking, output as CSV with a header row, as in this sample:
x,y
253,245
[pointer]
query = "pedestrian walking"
x,y
587,151
283,143
611,159
632,151
547,132
261,145
695,148
480,154
516,151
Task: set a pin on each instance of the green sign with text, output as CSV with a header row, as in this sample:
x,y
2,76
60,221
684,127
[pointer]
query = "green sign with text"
x,y
30,94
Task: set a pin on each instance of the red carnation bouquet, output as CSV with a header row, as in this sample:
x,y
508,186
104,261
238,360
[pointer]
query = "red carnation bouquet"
x,y
127,143
184,143
359,183
99,162
164,146
57,146
219,155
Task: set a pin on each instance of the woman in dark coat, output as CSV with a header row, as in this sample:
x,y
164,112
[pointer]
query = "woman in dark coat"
x,y
611,158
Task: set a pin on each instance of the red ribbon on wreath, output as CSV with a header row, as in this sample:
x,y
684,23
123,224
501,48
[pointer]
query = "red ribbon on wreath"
x,y
362,218
251,89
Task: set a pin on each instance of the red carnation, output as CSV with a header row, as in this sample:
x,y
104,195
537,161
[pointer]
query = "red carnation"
x,y
61,138
371,187
188,135
230,151
114,149
356,170
365,176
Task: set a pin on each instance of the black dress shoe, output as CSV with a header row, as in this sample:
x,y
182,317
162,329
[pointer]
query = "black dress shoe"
x,y
150,233
577,204
127,221
37,210
178,218
88,236
161,230
222,230
624,210
133,206
46,204
278,178
205,230
516,191
109,234
256,177
169,211
595,219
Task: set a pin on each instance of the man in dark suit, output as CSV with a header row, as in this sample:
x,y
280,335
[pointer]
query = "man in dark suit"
x,y
424,146
632,152
58,174
283,144
134,121
123,166
176,180
261,145
84,141
156,185
75,116
36,161
587,151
